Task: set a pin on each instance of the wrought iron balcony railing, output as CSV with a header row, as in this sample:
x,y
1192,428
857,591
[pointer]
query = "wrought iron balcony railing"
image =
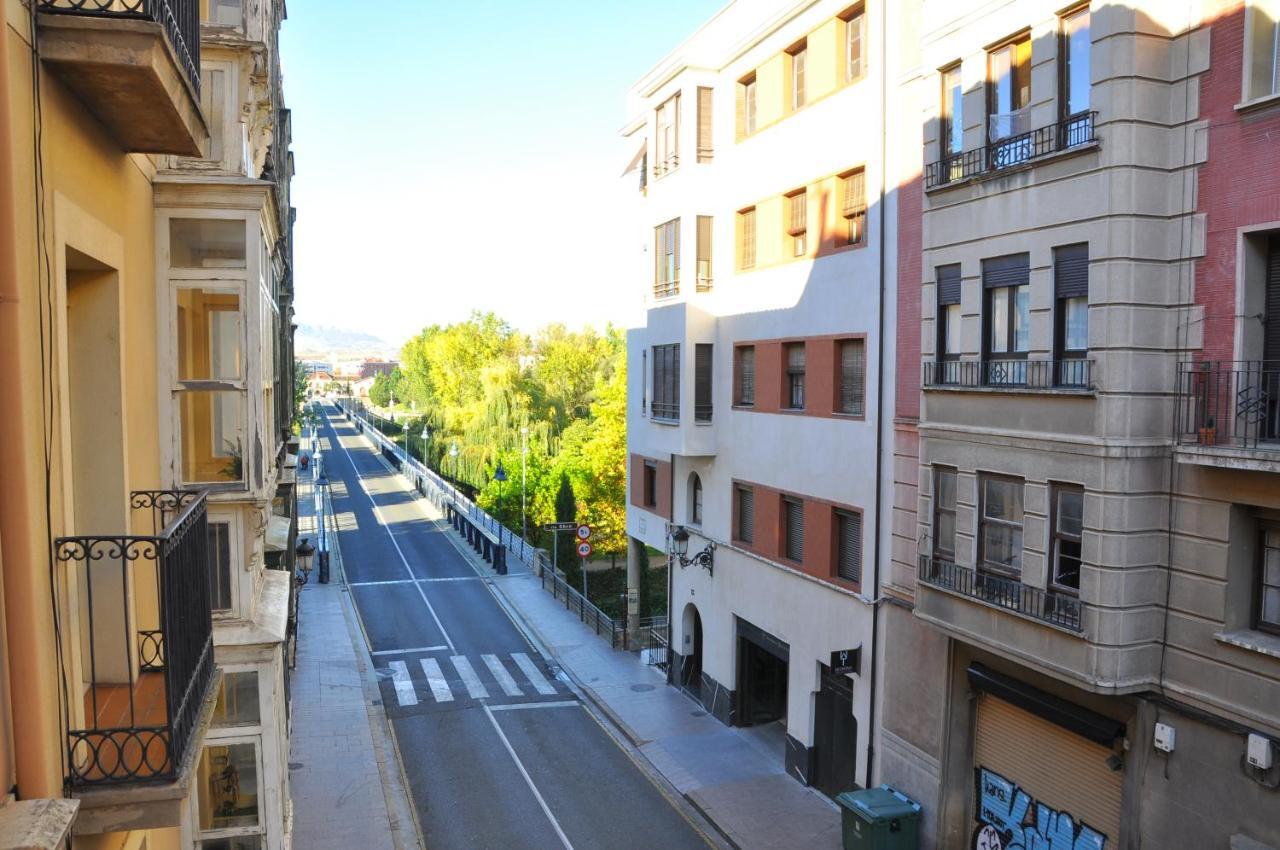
x,y
1229,403
1071,374
180,19
665,410
1060,609
147,641
1013,150
666,288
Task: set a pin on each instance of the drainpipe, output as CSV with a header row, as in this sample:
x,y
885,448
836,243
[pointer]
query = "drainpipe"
x,y
880,372
671,576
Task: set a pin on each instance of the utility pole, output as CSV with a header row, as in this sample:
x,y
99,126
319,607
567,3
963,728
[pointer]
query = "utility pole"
x,y
524,475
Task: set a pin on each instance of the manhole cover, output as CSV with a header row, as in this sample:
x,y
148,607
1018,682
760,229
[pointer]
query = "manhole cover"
x,y
641,688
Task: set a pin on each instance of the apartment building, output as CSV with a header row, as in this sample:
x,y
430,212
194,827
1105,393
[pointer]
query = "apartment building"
x,y
146,314
1084,531
765,226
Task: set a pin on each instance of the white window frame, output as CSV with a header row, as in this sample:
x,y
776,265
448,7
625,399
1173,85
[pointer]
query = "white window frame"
x,y
235,542
1251,11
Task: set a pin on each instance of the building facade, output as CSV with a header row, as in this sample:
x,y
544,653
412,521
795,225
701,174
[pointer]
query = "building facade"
x,y
147,325
765,231
1085,547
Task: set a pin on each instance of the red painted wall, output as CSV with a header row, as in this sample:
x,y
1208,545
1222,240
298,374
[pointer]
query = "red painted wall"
x,y
663,494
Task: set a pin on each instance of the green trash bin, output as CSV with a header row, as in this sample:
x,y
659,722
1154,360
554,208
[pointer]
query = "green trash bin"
x,y
879,819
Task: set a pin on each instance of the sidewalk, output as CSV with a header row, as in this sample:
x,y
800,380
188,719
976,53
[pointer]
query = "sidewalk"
x,y
734,776
344,777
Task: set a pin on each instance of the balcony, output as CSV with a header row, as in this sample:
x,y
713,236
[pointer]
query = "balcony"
x,y
1014,150
146,644
1058,609
1071,375
136,66
1228,414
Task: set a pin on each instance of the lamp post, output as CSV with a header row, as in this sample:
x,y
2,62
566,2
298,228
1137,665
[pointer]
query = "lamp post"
x,y
305,552
500,475
426,435
524,477
453,453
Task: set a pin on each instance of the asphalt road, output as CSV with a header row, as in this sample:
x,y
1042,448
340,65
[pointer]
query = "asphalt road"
x,y
498,753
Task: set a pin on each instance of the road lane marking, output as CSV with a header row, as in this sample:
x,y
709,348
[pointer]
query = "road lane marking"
x,y
405,694
469,678
546,810
520,706
449,578
406,651
378,583
435,678
508,684
533,674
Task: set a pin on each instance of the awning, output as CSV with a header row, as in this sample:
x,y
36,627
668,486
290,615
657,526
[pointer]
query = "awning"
x,y
278,533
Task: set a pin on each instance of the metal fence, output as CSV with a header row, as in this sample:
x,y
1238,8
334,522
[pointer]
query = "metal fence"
x,y
1058,608
1012,150
1069,374
598,621
1229,403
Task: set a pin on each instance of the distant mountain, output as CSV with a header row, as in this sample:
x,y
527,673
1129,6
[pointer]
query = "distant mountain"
x,y
321,339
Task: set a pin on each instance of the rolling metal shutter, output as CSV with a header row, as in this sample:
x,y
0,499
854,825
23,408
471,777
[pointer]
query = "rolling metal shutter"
x,y
1013,270
1071,271
849,546
949,284
1055,767
793,512
1271,304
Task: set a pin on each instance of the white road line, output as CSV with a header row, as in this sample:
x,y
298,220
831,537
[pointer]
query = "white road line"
x,y
520,706
509,686
378,583
469,678
435,678
406,651
546,810
449,578
378,515
405,694
533,674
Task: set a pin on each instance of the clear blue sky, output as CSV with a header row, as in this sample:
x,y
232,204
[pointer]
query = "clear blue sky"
x,y
464,155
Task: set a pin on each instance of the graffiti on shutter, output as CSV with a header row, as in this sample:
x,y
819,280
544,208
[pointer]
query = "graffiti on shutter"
x,y
1010,819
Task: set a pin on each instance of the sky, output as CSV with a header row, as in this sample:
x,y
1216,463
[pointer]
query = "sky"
x,y
466,156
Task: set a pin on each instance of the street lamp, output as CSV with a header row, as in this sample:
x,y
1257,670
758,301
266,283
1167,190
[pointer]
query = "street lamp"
x,y
524,477
500,475
426,435
453,453
305,552
678,545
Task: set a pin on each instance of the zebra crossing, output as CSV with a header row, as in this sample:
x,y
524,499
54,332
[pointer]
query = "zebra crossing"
x,y
443,679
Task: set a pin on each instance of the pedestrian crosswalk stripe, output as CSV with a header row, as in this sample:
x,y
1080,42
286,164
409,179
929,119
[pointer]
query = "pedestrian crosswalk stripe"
x,y
531,672
469,678
435,678
508,684
404,687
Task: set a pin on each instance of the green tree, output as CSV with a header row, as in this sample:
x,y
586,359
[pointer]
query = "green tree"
x,y
386,386
567,511
299,391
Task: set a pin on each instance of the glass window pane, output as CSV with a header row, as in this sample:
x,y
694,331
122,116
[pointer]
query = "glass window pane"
x,y
1271,606
220,566
1003,500
213,94
226,12
954,94
1067,568
946,533
1078,45
212,436
1075,323
200,243
228,786
999,320
209,335
239,842
1021,318
1070,512
947,489
1002,546
237,703
952,329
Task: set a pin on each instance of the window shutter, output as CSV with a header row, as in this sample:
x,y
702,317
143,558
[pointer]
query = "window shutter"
x,y
795,356
703,249
1071,271
704,125
674,237
799,212
746,375
855,193
746,514
849,546
702,361
853,376
1271,305
747,249
1013,270
793,512
948,284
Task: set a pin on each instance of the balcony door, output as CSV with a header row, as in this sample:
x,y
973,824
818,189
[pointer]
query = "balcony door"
x,y
1270,371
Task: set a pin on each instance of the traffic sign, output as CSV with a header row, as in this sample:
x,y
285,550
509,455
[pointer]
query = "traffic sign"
x,y
585,549
560,526
584,532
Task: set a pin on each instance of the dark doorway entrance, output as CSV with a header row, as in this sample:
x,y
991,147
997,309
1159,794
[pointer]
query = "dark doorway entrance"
x,y
762,676
1270,369
835,735
691,672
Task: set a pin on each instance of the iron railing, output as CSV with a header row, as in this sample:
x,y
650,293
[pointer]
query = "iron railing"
x,y
1070,374
666,288
1013,150
1060,609
591,616
145,687
180,19
665,410
1229,403
705,284
702,412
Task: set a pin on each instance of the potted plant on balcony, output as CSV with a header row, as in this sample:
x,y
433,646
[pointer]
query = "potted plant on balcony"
x,y
1209,432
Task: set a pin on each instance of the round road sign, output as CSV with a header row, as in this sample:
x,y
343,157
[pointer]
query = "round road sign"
x,y
584,549
584,532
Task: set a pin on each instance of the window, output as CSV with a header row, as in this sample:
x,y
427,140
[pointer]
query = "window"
x,y
853,206
948,320
1068,523
210,385
704,254
853,377
1071,314
705,100
799,57
855,32
695,499
795,375
1009,89
213,93
227,783
1000,527
848,527
951,135
745,519
226,12
744,369
237,703
220,568
747,239
1075,46
207,243
1268,602
666,272
797,227
747,105
650,484
1007,283
666,141
792,529
666,381
1262,49
702,363
944,514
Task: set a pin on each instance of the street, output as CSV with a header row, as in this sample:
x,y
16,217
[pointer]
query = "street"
x,y
497,751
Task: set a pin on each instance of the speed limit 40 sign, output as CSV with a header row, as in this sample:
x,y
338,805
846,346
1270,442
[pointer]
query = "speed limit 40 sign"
x,y
585,549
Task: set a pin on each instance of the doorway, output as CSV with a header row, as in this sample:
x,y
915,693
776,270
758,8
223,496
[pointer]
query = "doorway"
x,y
763,668
691,664
835,735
